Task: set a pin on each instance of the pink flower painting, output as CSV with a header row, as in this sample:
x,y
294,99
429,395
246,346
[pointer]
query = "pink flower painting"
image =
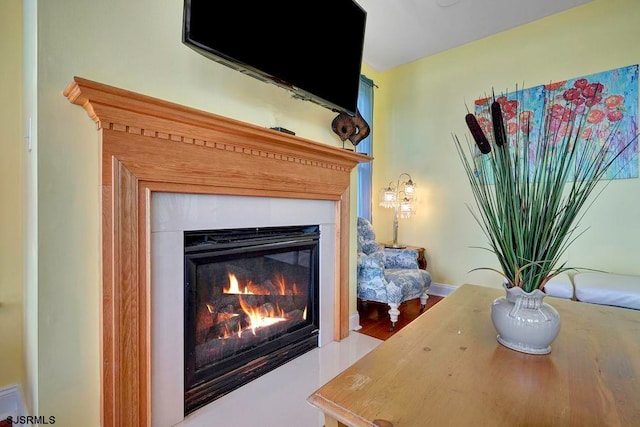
x,y
610,99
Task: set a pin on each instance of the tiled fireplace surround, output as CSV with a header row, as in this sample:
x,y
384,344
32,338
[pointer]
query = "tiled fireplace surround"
x,y
155,154
171,214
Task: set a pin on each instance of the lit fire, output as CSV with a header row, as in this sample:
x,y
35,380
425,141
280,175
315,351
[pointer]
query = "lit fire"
x,y
280,284
265,315
250,288
258,316
234,286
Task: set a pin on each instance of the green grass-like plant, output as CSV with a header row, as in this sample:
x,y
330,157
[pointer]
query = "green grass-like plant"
x,y
531,195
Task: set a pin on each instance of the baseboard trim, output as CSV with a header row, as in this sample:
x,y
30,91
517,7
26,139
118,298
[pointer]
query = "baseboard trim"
x,y
11,403
441,289
354,322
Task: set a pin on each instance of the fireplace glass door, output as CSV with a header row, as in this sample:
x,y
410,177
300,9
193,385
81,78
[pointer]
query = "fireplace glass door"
x,y
251,304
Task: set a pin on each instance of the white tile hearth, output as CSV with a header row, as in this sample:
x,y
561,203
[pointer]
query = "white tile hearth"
x,y
279,398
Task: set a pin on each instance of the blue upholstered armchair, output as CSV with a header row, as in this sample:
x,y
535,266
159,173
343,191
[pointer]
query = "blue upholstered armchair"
x,y
389,276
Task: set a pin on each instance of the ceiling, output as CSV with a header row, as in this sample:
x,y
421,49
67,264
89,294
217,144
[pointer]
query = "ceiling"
x,y
402,31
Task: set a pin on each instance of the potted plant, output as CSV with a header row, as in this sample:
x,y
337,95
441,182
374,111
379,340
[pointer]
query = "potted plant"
x,y
533,175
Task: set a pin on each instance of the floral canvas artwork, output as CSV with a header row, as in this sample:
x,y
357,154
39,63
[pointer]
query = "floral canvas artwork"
x,y
610,96
527,146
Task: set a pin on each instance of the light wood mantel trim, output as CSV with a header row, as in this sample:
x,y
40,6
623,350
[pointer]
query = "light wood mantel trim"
x,y
150,145
167,120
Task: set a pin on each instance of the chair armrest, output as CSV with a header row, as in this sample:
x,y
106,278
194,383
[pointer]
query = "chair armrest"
x,y
401,258
372,285
373,260
369,246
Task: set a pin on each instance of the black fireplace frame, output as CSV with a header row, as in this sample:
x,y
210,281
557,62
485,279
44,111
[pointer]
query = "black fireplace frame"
x,y
204,385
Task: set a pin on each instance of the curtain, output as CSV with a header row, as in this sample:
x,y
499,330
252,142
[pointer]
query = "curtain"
x,y
364,172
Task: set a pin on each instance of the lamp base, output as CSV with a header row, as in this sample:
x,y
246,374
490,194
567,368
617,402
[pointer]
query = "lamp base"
x,y
394,246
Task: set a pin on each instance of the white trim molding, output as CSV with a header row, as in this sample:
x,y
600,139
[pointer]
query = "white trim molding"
x,y
354,322
441,289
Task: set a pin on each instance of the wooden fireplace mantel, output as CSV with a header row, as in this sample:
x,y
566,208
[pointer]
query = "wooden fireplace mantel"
x,y
150,145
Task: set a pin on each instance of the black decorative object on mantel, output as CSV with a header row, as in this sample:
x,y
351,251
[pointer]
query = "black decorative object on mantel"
x,y
355,129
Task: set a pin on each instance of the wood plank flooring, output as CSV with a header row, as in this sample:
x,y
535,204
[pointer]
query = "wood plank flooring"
x,y
374,318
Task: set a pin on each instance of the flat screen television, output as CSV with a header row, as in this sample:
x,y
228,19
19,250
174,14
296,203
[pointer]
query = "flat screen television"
x,y
312,49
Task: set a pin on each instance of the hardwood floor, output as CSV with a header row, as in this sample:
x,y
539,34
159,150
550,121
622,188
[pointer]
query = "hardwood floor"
x,y
374,318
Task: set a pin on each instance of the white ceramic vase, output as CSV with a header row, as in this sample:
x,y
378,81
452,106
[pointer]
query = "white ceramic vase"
x,y
524,322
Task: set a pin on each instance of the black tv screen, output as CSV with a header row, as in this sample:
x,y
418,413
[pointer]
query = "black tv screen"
x,y
312,49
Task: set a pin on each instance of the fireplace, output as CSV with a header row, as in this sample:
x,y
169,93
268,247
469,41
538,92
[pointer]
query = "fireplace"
x,y
149,146
251,303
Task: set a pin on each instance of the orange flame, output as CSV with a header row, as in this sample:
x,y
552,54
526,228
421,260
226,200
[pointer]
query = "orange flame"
x,y
258,316
264,315
234,286
251,288
280,284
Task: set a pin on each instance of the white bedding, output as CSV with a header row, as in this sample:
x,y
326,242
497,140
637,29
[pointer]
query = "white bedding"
x,y
607,288
560,286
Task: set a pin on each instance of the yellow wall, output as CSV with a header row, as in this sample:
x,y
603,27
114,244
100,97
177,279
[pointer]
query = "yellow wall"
x,y
137,46
11,145
424,103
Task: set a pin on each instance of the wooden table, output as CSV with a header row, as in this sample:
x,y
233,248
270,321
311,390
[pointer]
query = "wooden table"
x,y
447,369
